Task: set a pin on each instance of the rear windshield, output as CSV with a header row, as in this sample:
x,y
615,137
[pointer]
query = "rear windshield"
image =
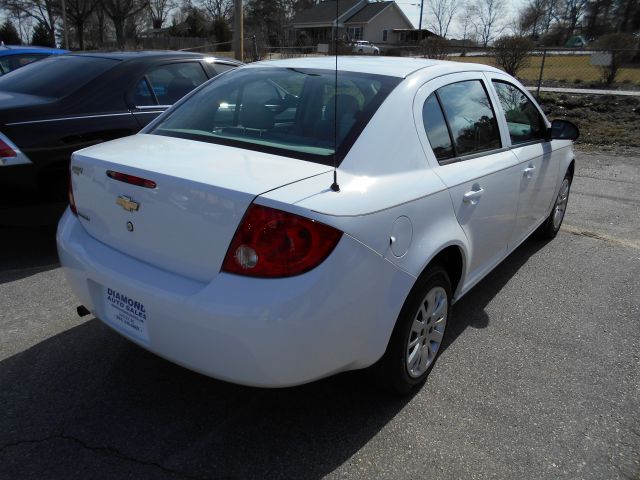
x,y
300,113
56,76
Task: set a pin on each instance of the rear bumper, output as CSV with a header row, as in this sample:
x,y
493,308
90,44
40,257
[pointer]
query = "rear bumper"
x,y
260,332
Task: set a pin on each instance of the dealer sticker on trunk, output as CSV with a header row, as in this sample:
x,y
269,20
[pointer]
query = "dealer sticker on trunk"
x,y
126,314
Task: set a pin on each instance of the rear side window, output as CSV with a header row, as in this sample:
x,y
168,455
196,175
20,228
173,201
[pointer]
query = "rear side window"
x,y
523,118
11,62
436,127
56,76
470,117
300,113
222,67
169,83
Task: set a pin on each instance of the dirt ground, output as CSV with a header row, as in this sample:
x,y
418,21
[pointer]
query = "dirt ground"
x,y
609,123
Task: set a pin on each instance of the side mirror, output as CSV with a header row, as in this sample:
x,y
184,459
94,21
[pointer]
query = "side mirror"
x,y
563,130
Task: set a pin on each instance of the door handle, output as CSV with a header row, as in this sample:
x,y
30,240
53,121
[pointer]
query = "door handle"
x,y
472,197
528,172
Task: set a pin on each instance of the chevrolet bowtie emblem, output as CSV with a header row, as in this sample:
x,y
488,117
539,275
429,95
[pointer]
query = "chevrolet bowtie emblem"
x,y
128,204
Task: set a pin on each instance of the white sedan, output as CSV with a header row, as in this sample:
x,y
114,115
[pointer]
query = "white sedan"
x,y
365,47
275,227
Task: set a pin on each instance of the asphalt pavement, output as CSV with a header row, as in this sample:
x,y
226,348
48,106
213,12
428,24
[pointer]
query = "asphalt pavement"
x,y
540,377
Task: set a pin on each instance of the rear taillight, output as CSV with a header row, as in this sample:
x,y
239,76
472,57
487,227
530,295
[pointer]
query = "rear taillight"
x,y
6,151
72,201
272,243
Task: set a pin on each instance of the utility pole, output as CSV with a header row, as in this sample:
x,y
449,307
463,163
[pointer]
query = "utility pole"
x,y
420,23
238,31
64,25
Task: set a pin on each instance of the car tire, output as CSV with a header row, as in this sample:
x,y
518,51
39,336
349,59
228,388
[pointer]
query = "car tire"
x,y
419,330
549,229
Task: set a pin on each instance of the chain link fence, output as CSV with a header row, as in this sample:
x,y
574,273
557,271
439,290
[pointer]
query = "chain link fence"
x,y
548,67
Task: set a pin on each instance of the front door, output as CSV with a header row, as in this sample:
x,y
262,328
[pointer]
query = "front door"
x,y
538,168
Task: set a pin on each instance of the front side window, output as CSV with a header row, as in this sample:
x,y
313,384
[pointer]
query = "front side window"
x,y
470,117
301,113
523,118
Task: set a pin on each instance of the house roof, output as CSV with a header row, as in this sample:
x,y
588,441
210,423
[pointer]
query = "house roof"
x,y
324,12
367,13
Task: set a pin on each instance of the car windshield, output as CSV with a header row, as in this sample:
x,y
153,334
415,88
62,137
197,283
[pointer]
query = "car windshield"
x,y
300,113
56,76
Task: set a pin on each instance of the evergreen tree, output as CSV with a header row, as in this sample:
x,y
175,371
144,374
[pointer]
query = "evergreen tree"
x,y
41,36
9,34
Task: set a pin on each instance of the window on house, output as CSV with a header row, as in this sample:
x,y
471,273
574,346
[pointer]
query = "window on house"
x,y
355,33
385,34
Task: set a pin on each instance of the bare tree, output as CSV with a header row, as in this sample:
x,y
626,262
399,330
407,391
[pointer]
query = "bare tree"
x,y
442,12
489,15
512,53
531,18
78,12
43,11
620,46
24,24
119,11
466,21
218,9
159,11
572,11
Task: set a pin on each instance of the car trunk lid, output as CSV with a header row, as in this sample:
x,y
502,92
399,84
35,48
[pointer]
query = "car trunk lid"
x,y
186,223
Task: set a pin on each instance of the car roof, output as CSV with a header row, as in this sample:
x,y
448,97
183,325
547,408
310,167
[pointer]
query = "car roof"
x,y
148,54
391,66
17,49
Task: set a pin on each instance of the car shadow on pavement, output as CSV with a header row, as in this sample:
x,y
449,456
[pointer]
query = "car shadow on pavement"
x,y
27,251
87,403
88,388
470,311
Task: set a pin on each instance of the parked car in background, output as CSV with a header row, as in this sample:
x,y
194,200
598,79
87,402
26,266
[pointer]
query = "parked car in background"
x,y
13,57
64,103
285,223
365,47
577,41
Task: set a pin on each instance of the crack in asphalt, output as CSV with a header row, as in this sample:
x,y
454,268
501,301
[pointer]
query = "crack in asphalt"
x,y
570,229
615,180
110,450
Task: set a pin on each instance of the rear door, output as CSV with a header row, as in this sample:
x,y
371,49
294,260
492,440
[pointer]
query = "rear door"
x,y
538,167
458,127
